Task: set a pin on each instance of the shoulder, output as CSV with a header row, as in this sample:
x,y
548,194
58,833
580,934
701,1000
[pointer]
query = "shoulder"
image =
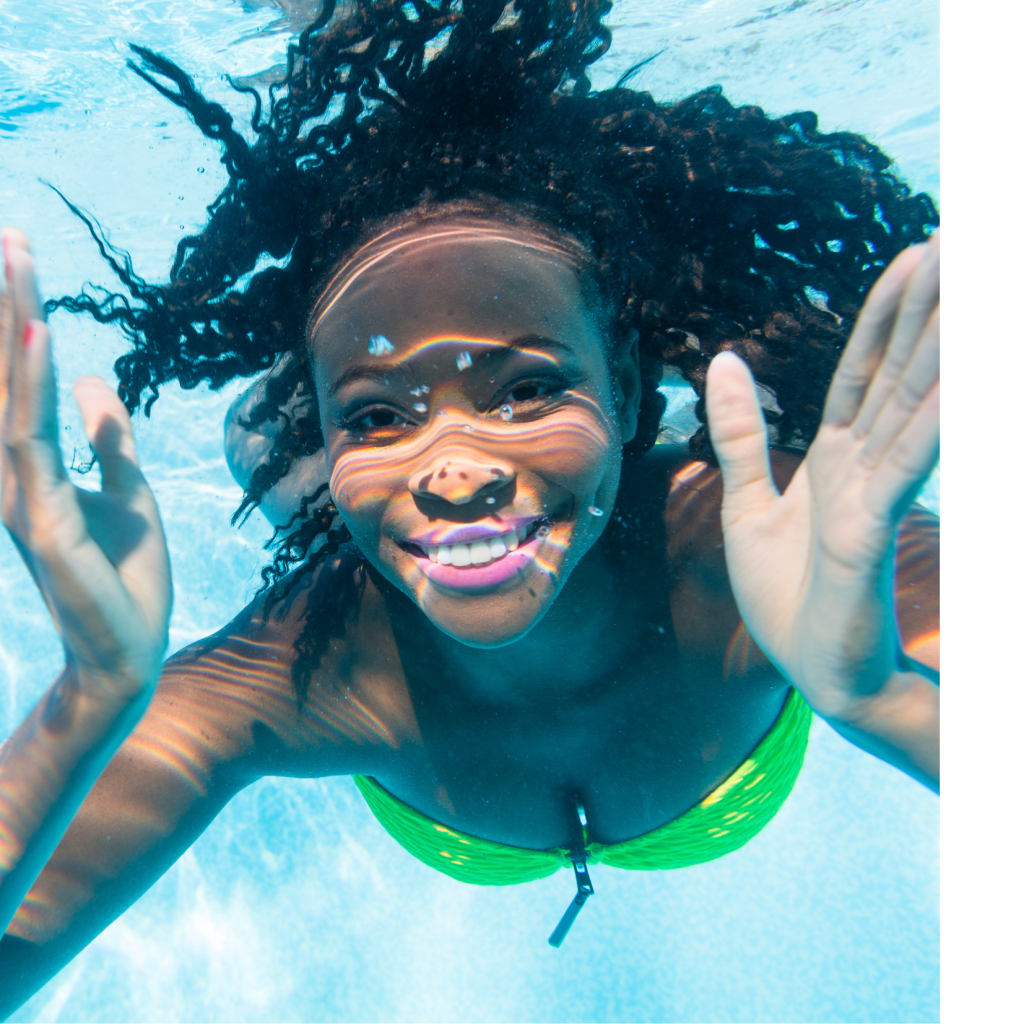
x,y
690,497
233,694
686,494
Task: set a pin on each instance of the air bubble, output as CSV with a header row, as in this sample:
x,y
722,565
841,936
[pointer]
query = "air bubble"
x,y
463,361
421,390
595,511
505,412
490,501
380,346
467,426
419,407
543,531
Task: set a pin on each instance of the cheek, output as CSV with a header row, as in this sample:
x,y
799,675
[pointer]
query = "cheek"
x,y
576,447
362,485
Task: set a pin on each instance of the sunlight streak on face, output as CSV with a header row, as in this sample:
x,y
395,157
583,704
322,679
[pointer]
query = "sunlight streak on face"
x,y
492,424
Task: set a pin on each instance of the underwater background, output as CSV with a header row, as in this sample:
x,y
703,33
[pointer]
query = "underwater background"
x,y
295,905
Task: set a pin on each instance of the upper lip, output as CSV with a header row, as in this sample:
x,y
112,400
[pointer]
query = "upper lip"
x,y
468,534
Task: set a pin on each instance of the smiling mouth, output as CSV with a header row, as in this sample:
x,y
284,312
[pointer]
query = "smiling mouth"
x,y
480,552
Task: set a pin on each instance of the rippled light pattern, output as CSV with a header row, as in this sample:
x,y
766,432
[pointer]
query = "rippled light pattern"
x,y
295,905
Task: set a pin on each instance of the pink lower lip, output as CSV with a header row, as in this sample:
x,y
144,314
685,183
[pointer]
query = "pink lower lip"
x,y
482,577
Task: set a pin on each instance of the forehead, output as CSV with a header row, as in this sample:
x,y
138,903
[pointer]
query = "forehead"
x,y
459,285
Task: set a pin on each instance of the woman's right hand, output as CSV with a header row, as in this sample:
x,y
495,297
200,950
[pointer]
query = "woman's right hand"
x,y
99,558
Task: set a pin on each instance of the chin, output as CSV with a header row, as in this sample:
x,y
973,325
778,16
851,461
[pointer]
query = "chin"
x,y
490,621
491,604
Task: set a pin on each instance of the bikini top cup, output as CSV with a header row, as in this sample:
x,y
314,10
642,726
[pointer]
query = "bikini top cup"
x,y
723,821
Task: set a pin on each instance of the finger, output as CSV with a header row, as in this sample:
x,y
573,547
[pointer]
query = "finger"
x,y
917,381
16,237
30,434
108,428
8,237
906,465
19,274
866,347
739,435
919,301
6,331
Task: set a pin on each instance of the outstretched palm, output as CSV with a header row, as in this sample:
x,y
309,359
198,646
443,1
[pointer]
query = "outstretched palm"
x,y
812,569
99,558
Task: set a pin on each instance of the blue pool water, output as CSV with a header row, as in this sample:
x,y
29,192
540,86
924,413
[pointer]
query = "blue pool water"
x,y
294,905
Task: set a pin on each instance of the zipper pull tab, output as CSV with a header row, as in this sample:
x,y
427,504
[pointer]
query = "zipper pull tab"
x,y
584,890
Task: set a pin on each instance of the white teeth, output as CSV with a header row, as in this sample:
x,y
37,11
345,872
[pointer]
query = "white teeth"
x,y
479,552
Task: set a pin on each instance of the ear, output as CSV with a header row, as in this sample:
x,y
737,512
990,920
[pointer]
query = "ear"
x,y
626,371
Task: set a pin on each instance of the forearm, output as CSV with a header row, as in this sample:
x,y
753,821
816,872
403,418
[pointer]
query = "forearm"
x,y
47,768
899,724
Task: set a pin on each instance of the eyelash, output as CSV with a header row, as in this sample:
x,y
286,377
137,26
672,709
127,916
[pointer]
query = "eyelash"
x,y
352,423
542,387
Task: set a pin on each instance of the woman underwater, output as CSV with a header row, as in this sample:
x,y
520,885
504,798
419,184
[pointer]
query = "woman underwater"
x,y
536,638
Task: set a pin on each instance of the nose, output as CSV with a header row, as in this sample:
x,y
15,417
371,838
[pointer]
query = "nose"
x,y
460,477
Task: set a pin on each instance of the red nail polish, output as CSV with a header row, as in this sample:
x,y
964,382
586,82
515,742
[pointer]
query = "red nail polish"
x,y
26,338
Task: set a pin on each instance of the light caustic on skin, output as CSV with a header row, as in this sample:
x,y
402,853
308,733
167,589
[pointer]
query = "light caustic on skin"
x,y
465,461
532,527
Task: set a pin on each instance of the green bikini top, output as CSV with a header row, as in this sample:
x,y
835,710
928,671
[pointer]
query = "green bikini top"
x,y
723,821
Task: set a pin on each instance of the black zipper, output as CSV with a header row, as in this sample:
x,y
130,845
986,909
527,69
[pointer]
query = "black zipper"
x,y
584,887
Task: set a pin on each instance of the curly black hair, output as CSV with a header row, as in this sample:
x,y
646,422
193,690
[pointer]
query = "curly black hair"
x,y
710,226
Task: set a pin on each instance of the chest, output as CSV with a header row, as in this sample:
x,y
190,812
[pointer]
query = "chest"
x,y
659,724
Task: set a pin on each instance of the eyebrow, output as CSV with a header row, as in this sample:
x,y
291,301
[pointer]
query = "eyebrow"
x,y
378,374
382,374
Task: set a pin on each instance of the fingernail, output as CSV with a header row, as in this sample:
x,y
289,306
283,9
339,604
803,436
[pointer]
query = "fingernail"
x,y
26,338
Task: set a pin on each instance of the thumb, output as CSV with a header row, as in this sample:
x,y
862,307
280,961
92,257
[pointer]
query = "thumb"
x,y
739,435
108,428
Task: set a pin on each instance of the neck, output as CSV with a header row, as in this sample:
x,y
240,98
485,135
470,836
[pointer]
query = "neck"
x,y
566,653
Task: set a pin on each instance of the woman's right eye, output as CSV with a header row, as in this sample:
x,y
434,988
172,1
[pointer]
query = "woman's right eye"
x,y
380,418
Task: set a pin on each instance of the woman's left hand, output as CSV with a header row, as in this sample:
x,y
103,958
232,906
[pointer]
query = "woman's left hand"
x,y
812,569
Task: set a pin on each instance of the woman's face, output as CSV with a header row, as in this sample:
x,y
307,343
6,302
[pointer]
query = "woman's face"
x,y
474,413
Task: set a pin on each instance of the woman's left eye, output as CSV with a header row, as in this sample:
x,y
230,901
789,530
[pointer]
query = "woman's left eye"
x,y
533,390
525,392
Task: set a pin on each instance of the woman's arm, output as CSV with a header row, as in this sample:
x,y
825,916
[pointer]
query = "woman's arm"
x,y
100,562
210,730
813,569
900,724
224,714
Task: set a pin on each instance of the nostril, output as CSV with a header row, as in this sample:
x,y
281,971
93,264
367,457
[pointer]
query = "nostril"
x,y
460,480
